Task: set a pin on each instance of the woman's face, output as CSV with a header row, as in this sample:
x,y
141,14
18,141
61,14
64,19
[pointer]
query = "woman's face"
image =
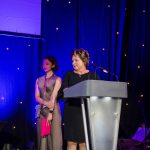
x,y
77,63
47,65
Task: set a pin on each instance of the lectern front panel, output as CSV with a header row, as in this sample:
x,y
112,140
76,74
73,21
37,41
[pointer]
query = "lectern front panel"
x,y
104,116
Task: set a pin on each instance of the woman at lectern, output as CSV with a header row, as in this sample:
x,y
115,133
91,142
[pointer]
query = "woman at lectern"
x,y
73,121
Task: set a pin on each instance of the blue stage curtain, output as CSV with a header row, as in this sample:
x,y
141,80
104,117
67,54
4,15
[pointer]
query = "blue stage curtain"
x,y
116,34
19,68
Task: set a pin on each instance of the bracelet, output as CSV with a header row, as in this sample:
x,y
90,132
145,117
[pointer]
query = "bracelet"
x,y
51,111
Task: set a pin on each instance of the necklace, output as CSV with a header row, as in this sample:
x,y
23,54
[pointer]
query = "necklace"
x,y
49,75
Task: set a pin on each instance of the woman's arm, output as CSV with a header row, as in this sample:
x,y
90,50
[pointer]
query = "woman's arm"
x,y
55,91
53,98
37,94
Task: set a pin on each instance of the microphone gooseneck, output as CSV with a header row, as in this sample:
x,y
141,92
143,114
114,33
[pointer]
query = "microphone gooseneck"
x,y
104,70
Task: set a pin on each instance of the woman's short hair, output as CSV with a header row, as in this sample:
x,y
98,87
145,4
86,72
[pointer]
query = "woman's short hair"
x,y
52,59
83,54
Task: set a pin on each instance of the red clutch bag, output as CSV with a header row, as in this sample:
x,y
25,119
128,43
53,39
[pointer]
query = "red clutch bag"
x,y
45,129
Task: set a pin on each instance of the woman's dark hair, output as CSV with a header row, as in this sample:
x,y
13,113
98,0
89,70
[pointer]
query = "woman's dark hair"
x,y
83,54
52,59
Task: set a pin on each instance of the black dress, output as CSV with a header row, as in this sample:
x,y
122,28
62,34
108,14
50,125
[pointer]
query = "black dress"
x,y
73,121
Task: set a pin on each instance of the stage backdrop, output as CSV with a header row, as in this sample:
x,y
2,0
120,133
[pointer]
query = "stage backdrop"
x,y
116,34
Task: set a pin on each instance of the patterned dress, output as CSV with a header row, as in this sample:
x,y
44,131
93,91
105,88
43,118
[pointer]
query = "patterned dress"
x,y
54,140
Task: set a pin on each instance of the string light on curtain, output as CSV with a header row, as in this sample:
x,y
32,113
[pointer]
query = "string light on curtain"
x,y
108,6
127,104
103,49
141,95
29,45
117,33
14,127
125,55
143,45
69,2
143,11
7,48
2,98
138,66
18,68
57,28
20,102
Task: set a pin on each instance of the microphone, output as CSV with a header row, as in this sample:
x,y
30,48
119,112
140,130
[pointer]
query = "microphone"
x,y
104,70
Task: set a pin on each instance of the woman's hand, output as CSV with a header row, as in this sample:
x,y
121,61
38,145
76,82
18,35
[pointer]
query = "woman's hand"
x,y
49,119
49,104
